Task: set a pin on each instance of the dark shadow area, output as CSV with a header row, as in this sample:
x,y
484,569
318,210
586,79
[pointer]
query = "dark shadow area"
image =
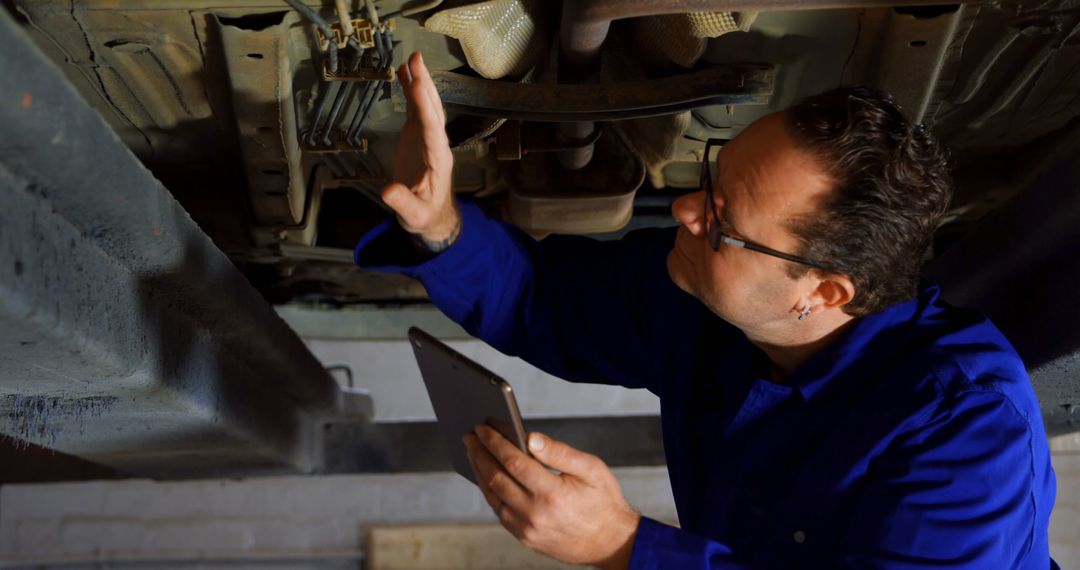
x,y
1021,267
418,446
27,463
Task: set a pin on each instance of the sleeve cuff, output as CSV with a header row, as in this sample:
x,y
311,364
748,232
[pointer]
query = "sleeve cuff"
x,y
643,554
387,247
658,545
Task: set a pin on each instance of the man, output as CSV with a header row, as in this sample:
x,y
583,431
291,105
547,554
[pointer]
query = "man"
x,y
819,410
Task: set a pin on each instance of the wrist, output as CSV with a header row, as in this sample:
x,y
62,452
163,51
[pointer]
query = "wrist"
x,y
441,239
620,559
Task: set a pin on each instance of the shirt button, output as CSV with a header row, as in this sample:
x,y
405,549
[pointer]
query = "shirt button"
x,y
799,536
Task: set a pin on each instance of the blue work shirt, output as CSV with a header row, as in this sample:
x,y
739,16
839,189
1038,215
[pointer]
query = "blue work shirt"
x,y
914,441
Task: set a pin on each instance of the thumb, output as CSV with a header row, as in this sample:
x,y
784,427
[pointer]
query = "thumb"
x,y
407,205
556,454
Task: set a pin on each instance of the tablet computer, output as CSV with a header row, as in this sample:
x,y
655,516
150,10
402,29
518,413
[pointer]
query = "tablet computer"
x,y
464,395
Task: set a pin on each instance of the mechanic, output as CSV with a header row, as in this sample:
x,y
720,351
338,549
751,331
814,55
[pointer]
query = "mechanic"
x,y
821,408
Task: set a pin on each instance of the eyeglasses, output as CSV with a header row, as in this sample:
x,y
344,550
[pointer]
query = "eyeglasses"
x,y
712,227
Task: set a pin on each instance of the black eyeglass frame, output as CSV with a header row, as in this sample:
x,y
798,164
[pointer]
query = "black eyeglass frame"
x,y
716,236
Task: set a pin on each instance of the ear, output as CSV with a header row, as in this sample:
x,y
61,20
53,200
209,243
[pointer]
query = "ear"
x,y
834,290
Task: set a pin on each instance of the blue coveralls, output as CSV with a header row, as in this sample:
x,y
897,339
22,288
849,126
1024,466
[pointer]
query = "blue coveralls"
x,y
914,441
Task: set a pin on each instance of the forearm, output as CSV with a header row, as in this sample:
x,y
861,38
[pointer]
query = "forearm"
x,y
579,309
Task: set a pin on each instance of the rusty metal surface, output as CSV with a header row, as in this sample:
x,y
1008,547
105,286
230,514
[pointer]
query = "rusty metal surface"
x,y
261,73
1013,75
990,77
909,53
597,197
730,84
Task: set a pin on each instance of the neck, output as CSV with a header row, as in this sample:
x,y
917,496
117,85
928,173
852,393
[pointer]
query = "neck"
x,y
788,355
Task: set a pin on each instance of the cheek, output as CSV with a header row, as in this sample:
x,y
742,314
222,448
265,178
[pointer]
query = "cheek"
x,y
731,280
719,269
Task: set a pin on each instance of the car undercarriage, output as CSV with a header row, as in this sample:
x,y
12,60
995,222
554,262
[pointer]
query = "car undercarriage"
x,y
275,125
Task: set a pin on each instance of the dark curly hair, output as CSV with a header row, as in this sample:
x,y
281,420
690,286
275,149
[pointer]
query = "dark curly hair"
x,y
893,185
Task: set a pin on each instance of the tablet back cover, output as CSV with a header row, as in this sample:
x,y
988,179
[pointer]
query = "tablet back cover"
x,y
464,394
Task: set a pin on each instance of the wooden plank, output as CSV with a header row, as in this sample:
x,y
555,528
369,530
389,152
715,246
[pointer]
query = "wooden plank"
x,y
451,547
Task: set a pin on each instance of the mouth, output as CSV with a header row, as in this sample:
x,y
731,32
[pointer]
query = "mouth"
x,y
680,239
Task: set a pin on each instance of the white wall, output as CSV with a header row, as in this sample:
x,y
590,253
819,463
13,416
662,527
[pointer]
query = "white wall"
x,y
1065,520
388,370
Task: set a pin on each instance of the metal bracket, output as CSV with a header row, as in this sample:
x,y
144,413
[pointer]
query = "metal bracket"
x,y
363,33
339,145
362,74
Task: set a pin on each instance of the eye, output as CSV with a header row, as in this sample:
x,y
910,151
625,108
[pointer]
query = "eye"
x,y
727,229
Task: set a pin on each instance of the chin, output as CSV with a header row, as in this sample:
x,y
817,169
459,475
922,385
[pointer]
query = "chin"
x,y
677,271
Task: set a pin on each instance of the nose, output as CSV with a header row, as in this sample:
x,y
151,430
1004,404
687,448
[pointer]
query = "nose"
x,y
687,210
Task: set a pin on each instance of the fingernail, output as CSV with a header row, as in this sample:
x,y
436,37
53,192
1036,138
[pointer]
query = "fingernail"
x,y
536,442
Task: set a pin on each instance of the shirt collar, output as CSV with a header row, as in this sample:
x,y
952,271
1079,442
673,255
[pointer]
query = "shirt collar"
x,y
867,344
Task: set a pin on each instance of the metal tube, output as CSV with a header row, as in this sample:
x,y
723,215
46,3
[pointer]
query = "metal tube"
x,y
313,124
575,158
318,20
339,100
324,95
372,14
344,17
351,133
579,46
386,53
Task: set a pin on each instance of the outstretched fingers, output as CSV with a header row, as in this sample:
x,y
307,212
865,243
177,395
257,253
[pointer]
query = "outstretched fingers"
x,y
422,92
404,77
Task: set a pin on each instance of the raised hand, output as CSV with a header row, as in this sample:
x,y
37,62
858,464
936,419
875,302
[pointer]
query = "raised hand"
x,y
420,190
